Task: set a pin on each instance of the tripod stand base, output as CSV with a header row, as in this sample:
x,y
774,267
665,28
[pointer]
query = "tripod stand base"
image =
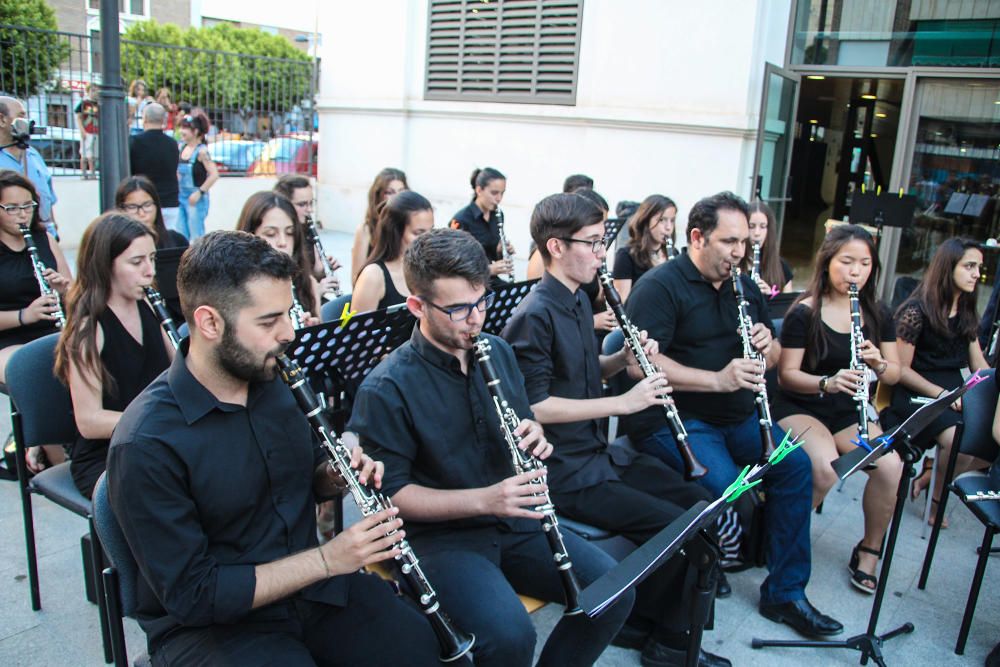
x,y
870,646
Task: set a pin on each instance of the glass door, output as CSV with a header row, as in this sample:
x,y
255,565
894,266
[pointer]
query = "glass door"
x,y
775,137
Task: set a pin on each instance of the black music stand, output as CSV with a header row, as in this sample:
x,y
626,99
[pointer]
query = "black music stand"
x,y
506,300
344,352
883,210
899,441
684,533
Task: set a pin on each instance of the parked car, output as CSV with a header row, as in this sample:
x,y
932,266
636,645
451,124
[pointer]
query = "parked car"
x,y
287,154
235,156
59,147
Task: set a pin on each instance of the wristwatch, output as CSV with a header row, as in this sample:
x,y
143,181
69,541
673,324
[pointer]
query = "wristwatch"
x,y
823,381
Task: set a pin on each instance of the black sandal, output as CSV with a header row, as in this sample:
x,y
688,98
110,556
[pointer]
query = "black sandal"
x,y
859,578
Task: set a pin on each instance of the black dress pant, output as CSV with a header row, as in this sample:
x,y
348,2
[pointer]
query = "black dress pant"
x,y
375,628
649,497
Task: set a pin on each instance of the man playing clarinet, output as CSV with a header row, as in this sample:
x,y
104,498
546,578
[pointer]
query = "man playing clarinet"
x,y
689,307
427,413
213,474
633,494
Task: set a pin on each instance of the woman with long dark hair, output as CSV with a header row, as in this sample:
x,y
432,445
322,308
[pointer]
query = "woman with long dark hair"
x,y
113,345
388,183
381,284
136,196
479,218
775,273
25,313
272,217
936,339
818,385
652,235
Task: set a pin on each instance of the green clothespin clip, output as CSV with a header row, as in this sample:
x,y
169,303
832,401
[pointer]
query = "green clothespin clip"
x,y
739,486
346,315
788,445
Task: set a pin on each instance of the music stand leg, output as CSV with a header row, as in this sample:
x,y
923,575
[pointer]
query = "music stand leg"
x,y
703,555
869,644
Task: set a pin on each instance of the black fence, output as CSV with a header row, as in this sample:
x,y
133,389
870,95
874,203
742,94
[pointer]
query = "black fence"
x,y
261,109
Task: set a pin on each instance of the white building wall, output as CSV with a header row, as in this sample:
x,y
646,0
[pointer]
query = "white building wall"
x,y
667,101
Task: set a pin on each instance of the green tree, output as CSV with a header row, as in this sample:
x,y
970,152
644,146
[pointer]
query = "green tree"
x,y
29,59
222,67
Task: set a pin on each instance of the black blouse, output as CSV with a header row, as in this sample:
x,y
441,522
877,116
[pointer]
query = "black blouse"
x,y
19,287
932,351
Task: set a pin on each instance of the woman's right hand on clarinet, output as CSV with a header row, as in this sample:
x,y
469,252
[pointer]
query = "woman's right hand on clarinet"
x,y
845,380
42,308
501,267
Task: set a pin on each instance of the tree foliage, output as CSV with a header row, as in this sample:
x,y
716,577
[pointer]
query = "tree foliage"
x,y
29,59
221,67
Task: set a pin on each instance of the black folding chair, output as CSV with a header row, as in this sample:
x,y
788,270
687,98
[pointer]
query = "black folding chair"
x,y
41,413
120,577
974,437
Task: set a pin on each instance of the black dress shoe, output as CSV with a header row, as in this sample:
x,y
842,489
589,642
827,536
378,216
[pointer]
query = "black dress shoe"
x,y
723,589
656,654
803,617
630,637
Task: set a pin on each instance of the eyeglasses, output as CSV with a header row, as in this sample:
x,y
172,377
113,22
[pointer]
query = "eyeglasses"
x,y
462,312
12,209
595,246
145,207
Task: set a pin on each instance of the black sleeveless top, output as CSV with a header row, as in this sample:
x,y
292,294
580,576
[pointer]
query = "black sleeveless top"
x,y
18,288
133,367
392,295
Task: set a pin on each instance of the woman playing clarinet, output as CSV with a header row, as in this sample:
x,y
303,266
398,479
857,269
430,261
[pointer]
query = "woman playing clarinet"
x,y
936,333
762,261
821,374
112,346
482,218
652,236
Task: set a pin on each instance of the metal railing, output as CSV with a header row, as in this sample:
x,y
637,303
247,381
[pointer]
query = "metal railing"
x,y
260,109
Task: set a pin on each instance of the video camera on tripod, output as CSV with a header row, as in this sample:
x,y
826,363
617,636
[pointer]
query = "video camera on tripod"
x,y
21,131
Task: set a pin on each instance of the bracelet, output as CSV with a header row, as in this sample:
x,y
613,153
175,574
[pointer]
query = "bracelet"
x,y
325,566
19,320
202,191
882,367
823,381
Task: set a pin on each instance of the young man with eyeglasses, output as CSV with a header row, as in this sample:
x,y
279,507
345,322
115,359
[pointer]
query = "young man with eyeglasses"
x,y
427,414
153,154
633,494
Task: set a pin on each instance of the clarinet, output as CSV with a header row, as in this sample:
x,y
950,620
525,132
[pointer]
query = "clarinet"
x,y
297,313
755,267
503,243
43,285
693,468
454,643
981,496
670,249
313,234
751,352
858,364
156,301
525,462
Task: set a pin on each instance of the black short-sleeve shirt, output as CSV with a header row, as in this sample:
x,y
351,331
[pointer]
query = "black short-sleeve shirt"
x,y
697,326
205,491
795,335
552,334
485,230
434,426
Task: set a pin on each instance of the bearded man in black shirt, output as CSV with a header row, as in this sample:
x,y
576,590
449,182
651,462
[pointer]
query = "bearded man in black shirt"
x,y
427,413
213,474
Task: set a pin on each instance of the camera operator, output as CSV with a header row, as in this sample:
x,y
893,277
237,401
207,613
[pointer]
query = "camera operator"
x,y
18,156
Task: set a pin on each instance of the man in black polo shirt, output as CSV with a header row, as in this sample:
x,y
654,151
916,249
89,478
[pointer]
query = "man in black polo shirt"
x,y
212,473
689,307
552,335
427,413
153,153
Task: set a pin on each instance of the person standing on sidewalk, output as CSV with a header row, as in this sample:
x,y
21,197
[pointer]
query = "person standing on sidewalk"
x,y
197,173
153,154
26,161
87,120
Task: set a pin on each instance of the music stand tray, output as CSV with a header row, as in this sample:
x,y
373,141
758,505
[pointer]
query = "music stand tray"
x,y
506,300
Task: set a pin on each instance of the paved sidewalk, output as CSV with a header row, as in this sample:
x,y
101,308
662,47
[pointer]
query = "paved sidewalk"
x,y
66,633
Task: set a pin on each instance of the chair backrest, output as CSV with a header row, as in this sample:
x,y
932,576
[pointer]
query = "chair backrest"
x,y
978,407
115,546
43,401
332,310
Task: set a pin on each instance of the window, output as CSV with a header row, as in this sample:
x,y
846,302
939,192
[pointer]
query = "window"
x,y
57,114
132,7
523,51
